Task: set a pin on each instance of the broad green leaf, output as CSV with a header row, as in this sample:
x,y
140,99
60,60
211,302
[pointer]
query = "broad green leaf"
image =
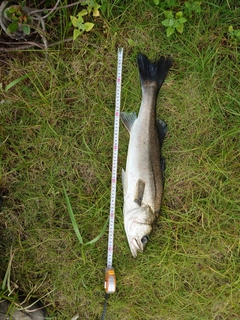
x,y
80,20
76,33
170,31
172,22
13,9
168,14
26,29
179,14
82,13
13,27
182,20
14,18
230,29
96,13
156,2
166,22
176,24
8,13
131,42
88,26
81,26
74,21
180,28
96,6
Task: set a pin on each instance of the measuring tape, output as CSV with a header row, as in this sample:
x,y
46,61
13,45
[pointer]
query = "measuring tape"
x,y
110,278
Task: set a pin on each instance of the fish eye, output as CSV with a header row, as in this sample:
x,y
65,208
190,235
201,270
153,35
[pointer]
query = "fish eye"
x,y
144,240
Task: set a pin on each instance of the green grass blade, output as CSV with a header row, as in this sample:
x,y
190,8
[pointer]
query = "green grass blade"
x,y
74,223
16,81
6,279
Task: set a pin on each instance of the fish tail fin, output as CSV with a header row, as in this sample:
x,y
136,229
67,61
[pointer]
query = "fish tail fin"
x,y
153,72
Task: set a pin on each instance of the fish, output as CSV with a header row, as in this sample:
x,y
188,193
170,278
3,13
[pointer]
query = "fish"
x,y
143,179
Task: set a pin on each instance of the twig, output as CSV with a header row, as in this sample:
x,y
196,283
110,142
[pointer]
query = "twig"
x,y
41,33
30,44
55,8
60,42
26,45
3,5
51,10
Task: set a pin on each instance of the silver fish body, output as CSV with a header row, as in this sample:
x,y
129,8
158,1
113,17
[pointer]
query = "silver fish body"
x,y
143,178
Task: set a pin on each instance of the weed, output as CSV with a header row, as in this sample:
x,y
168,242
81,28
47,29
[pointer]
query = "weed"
x,y
177,14
234,34
78,22
19,18
174,23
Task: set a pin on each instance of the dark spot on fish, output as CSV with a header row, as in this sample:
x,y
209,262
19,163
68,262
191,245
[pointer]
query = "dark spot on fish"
x,y
139,192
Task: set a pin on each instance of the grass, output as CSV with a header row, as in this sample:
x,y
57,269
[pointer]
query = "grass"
x,y
57,127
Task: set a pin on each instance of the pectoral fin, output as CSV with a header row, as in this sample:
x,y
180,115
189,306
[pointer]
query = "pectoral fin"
x,y
139,192
128,119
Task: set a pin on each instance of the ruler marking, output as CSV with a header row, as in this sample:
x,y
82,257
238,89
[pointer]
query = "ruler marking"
x,y
115,159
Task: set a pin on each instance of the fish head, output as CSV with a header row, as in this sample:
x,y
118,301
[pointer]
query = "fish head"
x,y
138,225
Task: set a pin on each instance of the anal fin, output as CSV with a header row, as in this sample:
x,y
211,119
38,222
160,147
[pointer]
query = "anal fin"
x,y
162,130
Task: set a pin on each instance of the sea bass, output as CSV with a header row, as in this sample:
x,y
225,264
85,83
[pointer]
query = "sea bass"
x,y
143,178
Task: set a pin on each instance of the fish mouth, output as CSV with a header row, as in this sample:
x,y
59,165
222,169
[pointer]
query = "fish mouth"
x,y
139,245
135,248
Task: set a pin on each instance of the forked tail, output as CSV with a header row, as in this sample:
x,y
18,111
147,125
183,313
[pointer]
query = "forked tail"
x,y
153,71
